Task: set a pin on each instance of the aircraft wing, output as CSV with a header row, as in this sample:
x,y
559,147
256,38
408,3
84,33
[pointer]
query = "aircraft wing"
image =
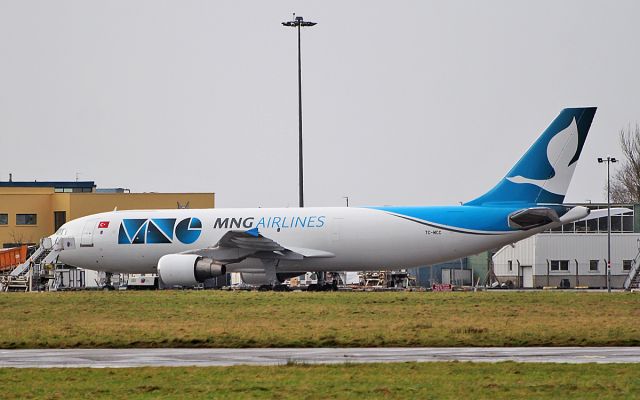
x,y
235,246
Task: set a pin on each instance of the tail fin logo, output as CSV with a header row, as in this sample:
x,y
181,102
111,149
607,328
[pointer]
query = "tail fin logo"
x,y
544,172
560,152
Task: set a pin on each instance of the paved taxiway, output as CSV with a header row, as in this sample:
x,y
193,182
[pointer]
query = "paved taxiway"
x,y
112,358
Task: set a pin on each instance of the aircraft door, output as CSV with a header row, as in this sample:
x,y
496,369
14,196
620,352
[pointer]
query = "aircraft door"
x,y
87,233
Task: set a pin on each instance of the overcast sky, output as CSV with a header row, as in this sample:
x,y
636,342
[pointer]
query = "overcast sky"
x,y
405,102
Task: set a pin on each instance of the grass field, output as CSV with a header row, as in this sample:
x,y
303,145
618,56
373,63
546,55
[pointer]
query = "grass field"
x,y
398,381
267,319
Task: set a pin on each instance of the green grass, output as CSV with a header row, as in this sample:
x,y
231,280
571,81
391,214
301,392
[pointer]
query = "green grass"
x,y
398,381
267,319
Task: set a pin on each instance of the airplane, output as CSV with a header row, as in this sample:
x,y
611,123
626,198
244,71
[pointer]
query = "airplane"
x,y
269,245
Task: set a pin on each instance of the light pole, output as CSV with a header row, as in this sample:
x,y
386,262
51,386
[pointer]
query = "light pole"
x,y
299,22
608,160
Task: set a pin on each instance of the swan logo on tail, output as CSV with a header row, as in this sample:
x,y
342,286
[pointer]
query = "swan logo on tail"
x,y
560,152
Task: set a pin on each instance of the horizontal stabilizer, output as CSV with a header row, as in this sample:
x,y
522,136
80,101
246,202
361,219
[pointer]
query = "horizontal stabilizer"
x,y
534,217
603,213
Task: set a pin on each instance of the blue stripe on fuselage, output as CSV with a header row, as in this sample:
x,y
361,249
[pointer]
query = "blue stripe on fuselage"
x,y
472,218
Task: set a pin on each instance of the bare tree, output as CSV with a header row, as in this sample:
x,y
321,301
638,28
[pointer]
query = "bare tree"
x,y
625,183
17,238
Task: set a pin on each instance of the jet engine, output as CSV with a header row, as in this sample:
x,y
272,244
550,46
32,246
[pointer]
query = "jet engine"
x,y
187,269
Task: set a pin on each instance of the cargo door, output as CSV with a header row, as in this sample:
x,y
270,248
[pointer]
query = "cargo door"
x,y
87,233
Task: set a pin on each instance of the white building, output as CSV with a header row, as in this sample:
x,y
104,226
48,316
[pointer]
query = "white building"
x,y
574,255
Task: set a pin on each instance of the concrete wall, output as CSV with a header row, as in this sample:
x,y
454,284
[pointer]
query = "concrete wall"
x,y
81,204
37,203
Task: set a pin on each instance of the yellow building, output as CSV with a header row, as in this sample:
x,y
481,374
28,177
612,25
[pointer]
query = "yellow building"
x,y
32,210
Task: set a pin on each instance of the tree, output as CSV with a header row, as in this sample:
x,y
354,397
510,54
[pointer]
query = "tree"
x,y
18,238
625,183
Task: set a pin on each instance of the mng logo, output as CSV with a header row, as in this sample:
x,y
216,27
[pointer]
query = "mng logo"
x,y
159,230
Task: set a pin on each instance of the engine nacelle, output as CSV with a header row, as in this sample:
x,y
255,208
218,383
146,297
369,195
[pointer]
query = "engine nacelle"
x,y
187,269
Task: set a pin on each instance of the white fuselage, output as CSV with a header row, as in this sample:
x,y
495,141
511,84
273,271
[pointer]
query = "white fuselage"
x,y
357,238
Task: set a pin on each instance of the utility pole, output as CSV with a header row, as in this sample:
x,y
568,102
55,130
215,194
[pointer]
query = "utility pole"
x,y
299,22
608,160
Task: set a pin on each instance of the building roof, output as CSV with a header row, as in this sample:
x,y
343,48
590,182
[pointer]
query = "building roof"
x,y
53,184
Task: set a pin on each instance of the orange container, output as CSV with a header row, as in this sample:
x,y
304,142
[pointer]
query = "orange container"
x,y
9,258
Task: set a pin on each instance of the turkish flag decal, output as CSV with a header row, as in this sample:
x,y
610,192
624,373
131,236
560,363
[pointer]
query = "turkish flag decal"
x,y
103,224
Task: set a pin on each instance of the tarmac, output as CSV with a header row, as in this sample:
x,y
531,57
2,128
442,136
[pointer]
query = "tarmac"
x,y
179,357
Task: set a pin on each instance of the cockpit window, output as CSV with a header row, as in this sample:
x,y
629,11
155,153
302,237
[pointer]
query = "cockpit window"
x,y
61,232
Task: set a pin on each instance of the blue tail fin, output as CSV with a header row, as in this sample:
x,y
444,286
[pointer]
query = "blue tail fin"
x,y
543,174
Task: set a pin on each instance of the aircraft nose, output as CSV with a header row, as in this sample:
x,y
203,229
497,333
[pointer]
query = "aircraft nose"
x,y
67,235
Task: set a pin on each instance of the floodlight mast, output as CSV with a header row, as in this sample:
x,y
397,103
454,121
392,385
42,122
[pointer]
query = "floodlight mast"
x,y
299,22
608,160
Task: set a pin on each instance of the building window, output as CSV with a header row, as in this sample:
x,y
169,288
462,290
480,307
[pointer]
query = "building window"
x,y
593,265
626,265
510,264
619,223
603,224
627,222
4,219
26,219
73,190
616,223
59,219
560,265
592,225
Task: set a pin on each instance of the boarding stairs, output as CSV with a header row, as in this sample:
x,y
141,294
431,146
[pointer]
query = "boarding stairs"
x,y
20,279
633,279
